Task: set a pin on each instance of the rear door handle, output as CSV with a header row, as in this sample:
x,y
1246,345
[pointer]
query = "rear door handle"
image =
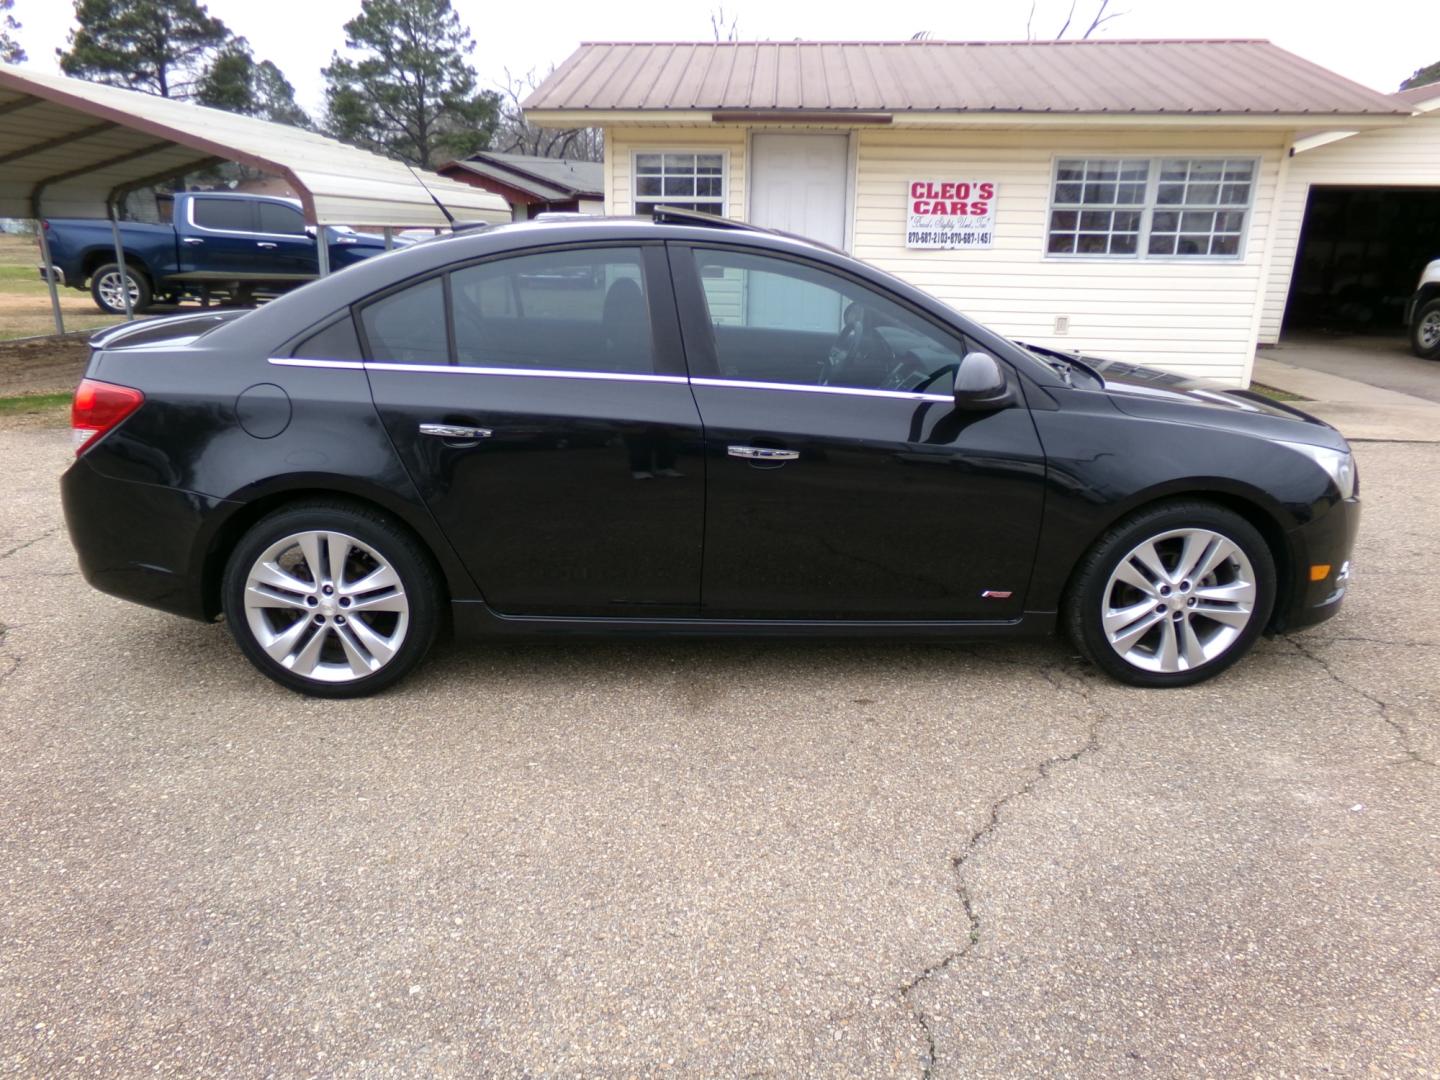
x,y
265,244
192,240
455,431
762,453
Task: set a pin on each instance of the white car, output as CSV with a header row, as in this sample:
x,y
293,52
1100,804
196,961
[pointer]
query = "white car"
x,y
1422,314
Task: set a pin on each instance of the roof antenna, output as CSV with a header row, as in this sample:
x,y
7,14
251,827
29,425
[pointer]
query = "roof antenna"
x,y
448,216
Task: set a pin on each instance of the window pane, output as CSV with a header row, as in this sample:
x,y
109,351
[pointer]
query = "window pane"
x,y
1067,194
1229,221
679,163
1130,194
1093,244
1126,221
1070,170
1197,221
1063,219
279,218
1123,243
1170,194
1165,221
408,326
1162,245
1099,193
680,185
1225,245
336,342
1062,243
1202,194
710,163
1235,194
647,185
787,322
647,163
580,310
233,215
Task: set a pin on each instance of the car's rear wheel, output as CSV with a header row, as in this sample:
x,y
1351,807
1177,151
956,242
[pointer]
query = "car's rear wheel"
x,y
1425,331
331,600
1172,595
106,292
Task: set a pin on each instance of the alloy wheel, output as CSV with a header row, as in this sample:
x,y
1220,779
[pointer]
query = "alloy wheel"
x,y
109,290
1178,600
326,606
1429,331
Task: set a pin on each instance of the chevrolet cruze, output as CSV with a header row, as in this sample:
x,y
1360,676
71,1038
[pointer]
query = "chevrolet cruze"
x,y
682,426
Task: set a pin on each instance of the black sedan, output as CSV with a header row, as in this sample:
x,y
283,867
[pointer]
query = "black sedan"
x,y
682,426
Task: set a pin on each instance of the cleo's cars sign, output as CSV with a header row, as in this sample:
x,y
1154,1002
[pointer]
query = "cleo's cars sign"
x,y
950,214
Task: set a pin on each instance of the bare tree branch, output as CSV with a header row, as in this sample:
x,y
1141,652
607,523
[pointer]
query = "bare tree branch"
x,y
1029,19
1068,17
1100,18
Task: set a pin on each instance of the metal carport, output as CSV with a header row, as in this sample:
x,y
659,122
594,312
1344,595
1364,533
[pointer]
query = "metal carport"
x,y
74,148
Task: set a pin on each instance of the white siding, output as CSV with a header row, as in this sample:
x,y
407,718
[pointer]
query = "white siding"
x,y
1185,315
1197,317
1408,154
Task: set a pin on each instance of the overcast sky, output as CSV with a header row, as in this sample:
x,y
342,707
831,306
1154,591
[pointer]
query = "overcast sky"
x,y
1376,42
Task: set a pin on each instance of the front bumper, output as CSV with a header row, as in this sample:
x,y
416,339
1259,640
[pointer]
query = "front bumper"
x,y
1327,541
141,542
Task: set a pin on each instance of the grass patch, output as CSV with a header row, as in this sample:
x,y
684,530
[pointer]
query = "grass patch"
x,y
33,402
1274,393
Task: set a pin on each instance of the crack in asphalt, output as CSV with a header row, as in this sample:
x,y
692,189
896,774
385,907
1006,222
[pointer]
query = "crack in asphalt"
x,y
1038,774
1402,733
27,543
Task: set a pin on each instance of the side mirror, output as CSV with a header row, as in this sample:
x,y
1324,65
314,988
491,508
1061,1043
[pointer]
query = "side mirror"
x,y
981,383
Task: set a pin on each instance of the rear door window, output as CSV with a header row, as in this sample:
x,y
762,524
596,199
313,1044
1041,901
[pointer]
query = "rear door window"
x,y
224,215
408,327
578,310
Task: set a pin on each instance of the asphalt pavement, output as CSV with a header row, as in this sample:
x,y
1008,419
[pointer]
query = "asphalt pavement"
x,y
718,859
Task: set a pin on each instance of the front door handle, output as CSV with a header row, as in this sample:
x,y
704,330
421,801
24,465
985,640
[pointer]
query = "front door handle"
x,y
265,244
762,453
192,240
455,431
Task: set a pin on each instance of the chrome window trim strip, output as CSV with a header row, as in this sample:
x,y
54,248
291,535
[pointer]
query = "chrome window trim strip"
x,y
296,361
526,373
607,376
462,369
853,391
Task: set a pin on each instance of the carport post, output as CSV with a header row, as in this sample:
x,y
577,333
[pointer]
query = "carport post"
x,y
50,277
120,261
322,250
389,238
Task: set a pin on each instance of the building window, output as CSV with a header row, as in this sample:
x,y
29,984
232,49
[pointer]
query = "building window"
x,y
1166,208
684,181
1200,207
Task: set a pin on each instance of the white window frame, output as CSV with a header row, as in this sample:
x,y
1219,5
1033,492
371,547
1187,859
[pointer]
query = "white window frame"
x,y
722,207
1149,207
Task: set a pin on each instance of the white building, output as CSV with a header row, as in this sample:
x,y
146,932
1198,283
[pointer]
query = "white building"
x,y
1139,200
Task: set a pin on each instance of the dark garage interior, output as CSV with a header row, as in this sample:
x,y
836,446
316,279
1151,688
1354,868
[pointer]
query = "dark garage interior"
x,y
1361,253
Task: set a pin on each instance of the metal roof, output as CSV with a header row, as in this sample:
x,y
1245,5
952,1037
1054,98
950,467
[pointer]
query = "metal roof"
x,y
1191,76
550,179
68,146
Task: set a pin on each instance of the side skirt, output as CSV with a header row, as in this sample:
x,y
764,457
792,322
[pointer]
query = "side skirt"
x,y
475,619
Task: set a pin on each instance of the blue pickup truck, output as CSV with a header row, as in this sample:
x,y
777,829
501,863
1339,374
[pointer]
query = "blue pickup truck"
x,y
222,247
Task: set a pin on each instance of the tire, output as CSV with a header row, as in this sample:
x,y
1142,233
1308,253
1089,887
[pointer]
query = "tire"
x,y
1174,631
305,628
104,289
1425,331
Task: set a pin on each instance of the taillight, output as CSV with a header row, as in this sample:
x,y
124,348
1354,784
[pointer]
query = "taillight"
x,y
98,407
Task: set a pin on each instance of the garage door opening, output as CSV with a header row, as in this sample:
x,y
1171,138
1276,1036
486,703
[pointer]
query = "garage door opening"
x,y
1361,253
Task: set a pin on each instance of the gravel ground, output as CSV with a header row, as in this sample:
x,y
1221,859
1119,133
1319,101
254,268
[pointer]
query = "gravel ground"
x,y
718,859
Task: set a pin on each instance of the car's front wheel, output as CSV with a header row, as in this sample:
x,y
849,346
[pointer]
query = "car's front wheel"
x,y
1425,331
331,600
1172,595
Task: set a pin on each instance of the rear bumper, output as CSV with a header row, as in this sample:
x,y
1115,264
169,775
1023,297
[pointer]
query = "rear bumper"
x,y
140,542
56,271
1327,541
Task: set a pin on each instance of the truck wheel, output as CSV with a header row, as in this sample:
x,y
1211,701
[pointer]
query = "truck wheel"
x,y
105,289
1425,331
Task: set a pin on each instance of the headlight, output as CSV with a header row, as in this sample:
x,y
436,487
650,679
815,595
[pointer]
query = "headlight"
x,y
1339,465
